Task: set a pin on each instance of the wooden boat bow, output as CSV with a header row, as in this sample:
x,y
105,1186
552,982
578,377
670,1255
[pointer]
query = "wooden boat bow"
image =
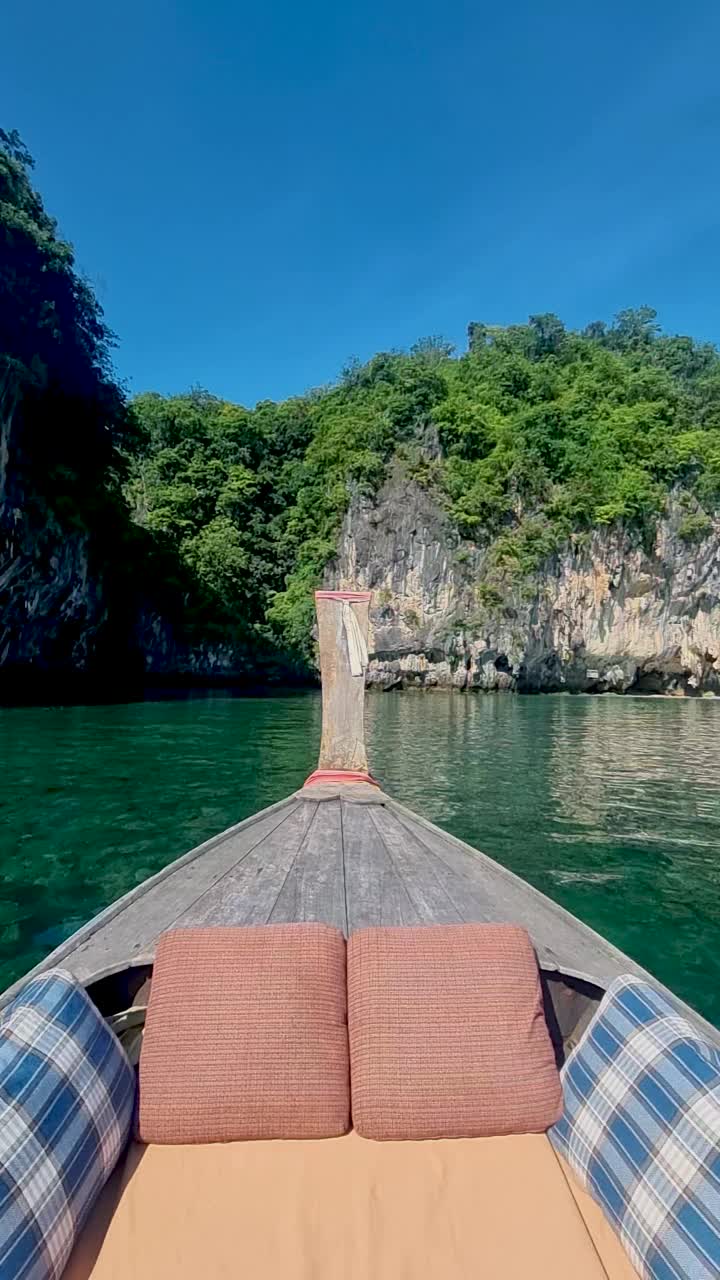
x,y
342,852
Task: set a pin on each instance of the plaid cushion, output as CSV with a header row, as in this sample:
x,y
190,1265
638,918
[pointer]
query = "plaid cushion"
x,y
66,1101
641,1130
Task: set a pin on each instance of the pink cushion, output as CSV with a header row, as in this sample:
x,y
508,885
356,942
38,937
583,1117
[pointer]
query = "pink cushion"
x,y
447,1033
246,1036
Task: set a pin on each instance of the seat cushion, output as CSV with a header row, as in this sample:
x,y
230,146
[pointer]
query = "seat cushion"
x,y
246,1036
447,1033
67,1093
641,1131
495,1208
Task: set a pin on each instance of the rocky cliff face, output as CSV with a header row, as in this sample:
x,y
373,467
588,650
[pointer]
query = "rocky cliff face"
x,y
606,616
76,619
51,606
71,627
61,627
172,652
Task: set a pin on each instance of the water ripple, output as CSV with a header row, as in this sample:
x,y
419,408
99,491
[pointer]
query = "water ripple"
x,y
609,805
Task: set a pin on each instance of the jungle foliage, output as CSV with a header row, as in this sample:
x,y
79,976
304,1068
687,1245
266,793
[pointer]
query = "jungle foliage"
x,y
535,434
65,420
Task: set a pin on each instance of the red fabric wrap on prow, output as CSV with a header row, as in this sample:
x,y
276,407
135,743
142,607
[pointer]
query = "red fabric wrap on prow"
x,y
339,775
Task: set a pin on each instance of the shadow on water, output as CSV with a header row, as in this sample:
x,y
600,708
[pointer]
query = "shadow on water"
x,y
611,806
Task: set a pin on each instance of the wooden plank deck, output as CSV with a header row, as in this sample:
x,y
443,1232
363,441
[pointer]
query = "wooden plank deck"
x,y
347,855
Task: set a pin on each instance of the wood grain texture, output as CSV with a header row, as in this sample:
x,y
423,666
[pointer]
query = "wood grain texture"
x,y
376,893
128,927
563,943
343,695
485,891
315,885
136,930
430,885
249,891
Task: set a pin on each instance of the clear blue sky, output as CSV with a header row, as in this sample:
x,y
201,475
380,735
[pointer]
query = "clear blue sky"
x,y
258,191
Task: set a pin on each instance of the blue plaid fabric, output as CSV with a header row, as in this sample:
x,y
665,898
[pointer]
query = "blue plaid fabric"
x,y
66,1101
641,1130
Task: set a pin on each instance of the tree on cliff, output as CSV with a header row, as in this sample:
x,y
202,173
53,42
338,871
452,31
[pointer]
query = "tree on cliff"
x,y
537,434
63,415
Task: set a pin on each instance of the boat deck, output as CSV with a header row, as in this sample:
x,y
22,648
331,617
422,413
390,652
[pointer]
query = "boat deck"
x,y
347,855
343,853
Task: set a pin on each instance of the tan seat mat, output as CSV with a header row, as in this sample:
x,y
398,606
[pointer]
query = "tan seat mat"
x,y
611,1252
340,1209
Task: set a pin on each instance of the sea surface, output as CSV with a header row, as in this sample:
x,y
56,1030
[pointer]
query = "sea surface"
x,y
609,805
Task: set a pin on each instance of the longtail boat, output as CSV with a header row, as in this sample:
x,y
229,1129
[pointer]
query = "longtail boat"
x,y
198,1193
342,852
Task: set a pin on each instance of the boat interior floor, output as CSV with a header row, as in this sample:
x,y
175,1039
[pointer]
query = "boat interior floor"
x,y
317,1210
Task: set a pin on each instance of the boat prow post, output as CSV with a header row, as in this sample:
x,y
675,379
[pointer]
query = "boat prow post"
x,y
343,622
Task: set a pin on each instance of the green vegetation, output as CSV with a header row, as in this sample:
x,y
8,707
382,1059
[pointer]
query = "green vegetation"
x,y
535,435
488,596
252,501
695,526
64,418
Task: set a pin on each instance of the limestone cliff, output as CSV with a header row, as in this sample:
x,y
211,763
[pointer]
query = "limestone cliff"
x,y
70,626
78,621
605,614
87,612
51,605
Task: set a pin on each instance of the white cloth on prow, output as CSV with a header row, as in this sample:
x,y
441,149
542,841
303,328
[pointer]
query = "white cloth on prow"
x,y
357,647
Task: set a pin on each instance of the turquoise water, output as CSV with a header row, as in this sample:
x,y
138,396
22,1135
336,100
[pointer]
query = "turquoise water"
x,y
610,805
